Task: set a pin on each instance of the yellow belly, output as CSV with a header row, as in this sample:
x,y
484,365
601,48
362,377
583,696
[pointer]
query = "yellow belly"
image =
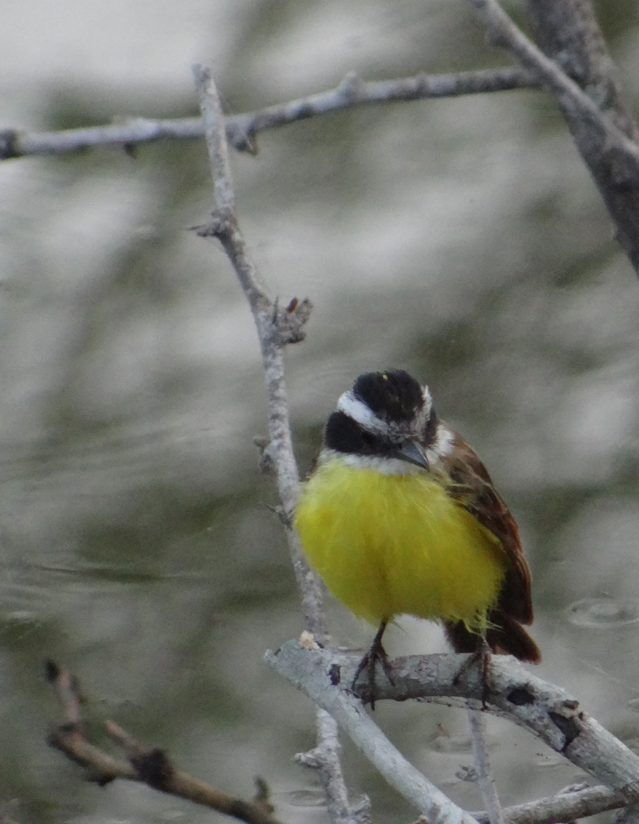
x,y
392,544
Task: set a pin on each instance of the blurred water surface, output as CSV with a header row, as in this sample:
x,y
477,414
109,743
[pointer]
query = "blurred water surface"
x,y
460,239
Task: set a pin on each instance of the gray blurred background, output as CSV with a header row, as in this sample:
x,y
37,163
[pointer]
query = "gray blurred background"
x,y
460,239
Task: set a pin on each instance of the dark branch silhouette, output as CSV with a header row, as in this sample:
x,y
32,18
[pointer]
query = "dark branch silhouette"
x,y
150,766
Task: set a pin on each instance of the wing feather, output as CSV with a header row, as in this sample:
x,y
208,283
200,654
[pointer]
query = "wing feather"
x,y
473,489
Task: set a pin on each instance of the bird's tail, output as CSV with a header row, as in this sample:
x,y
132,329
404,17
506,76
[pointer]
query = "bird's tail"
x,y
504,635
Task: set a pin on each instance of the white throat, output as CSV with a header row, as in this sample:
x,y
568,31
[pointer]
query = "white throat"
x,y
371,463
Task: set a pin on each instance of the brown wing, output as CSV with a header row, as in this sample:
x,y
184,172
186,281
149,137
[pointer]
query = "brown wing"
x,y
473,488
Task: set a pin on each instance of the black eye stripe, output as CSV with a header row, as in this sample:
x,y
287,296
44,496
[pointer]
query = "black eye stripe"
x,y
343,434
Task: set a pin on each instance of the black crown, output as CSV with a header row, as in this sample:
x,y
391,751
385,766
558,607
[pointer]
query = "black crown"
x,y
392,395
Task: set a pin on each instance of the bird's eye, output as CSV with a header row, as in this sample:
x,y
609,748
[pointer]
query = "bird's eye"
x,y
370,442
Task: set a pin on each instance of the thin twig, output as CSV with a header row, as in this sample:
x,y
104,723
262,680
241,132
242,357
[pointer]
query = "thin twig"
x,y
276,327
241,129
485,779
323,758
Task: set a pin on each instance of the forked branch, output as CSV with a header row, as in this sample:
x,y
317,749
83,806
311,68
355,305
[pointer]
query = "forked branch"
x,y
513,692
611,156
142,764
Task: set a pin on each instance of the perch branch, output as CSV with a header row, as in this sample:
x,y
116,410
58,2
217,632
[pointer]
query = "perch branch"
x,y
318,674
513,692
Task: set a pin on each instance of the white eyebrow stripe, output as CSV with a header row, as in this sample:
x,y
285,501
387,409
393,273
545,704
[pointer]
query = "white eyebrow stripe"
x,y
442,445
424,413
360,413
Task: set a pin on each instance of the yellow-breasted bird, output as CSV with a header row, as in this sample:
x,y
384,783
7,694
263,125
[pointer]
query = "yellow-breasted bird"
x,y
399,516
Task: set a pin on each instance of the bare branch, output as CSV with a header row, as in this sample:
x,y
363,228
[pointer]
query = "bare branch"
x,y
577,801
276,327
103,768
613,159
241,129
318,673
323,758
547,711
570,97
485,780
154,768
568,32
223,196
17,143
147,766
353,92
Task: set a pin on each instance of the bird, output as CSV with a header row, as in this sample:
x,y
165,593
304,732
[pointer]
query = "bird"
x,y
399,516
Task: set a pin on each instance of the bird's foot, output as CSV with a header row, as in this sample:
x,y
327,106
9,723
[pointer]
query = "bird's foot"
x,y
375,653
481,658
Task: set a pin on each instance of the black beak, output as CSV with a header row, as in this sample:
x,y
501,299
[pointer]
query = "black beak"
x,y
411,452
